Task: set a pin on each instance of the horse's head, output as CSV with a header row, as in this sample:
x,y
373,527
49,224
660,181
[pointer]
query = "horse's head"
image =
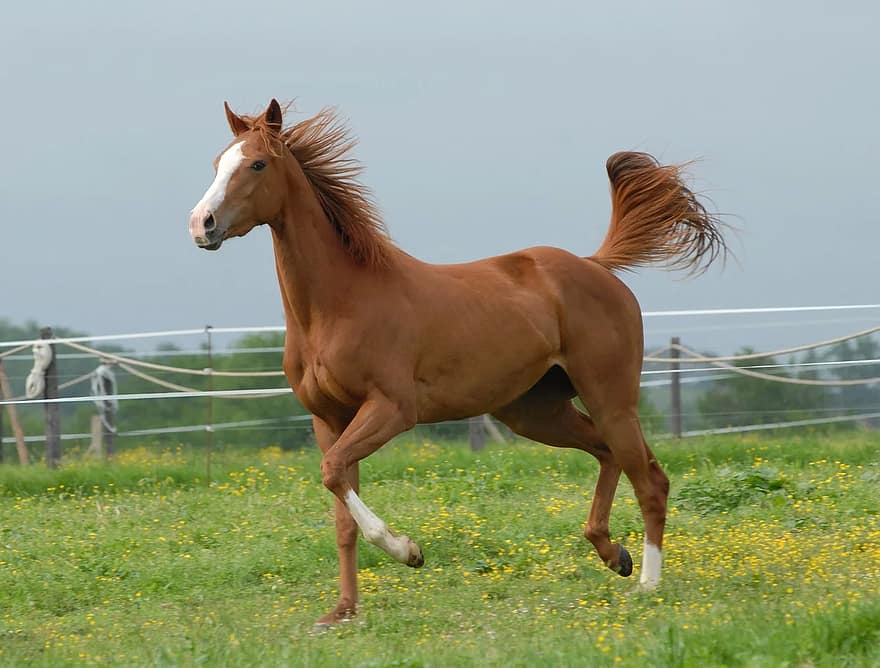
x,y
249,183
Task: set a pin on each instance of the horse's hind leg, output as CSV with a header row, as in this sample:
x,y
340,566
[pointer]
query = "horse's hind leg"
x,y
558,423
624,435
614,408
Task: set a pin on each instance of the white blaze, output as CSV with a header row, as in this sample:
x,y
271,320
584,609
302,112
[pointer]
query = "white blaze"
x,y
652,559
228,163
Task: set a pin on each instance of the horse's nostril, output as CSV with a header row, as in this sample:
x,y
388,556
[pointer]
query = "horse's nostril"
x,y
210,223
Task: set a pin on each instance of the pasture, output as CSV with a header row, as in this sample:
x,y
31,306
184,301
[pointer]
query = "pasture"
x,y
772,557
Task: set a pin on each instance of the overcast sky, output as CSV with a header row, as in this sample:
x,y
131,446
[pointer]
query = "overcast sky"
x,y
484,127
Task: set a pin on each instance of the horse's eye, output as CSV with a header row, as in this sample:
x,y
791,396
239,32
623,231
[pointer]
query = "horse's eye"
x,y
258,165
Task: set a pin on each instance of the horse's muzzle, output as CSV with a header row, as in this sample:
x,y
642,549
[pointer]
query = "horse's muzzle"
x,y
204,231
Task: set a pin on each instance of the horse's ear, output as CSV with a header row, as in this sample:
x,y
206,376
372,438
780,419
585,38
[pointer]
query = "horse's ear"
x,y
236,123
272,116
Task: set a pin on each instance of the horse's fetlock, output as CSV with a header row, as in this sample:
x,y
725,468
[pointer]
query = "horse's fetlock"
x,y
593,534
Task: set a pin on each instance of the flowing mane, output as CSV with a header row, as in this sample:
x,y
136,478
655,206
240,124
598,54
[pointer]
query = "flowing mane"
x,y
321,145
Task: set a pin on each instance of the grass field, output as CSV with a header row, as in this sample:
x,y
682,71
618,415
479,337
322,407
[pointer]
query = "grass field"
x,y
772,559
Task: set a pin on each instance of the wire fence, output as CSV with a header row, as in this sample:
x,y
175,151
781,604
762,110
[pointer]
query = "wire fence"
x,y
677,361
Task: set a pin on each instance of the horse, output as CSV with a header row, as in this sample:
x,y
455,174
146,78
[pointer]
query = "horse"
x,y
378,341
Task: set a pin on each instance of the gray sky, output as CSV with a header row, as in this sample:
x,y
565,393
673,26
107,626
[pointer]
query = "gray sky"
x,y
484,127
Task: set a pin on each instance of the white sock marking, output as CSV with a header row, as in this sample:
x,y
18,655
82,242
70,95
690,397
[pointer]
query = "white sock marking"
x,y
228,163
375,530
652,559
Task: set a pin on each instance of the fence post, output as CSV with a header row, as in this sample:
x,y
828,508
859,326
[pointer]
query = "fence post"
x,y
96,447
53,410
676,387
476,433
209,430
493,430
6,394
108,422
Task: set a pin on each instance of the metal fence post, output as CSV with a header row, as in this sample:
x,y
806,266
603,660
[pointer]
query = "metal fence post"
x,y
676,387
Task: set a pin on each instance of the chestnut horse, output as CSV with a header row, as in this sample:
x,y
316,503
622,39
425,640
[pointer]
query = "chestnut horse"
x,y
378,341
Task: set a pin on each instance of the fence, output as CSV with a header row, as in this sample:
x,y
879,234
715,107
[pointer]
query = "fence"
x,y
670,368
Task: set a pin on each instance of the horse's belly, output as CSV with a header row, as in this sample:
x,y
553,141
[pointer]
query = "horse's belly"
x,y
464,387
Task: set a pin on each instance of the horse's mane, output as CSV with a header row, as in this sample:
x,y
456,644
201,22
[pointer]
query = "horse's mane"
x,y
321,145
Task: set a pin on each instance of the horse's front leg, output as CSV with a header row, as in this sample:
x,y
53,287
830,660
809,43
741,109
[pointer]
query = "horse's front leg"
x,y
378,420
346,538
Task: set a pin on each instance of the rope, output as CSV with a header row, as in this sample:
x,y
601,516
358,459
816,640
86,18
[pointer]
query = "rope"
x,y
182,388
157,381
76,380
174,369
787,379
654,353
36,379
234,394
789,365
14,350
23,398
697,357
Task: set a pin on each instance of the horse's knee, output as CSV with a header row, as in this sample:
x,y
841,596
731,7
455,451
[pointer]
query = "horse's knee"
x,y
660,479
664,485
332,473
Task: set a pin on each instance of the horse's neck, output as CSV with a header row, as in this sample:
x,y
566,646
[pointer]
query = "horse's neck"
x,y
315,272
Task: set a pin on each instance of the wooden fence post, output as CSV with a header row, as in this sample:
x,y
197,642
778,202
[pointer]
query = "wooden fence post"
x,y
676,388
53,412
96,447
107,419
476,433
493,430
6,394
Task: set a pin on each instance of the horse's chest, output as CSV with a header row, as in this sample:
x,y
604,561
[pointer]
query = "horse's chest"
x,y
317,386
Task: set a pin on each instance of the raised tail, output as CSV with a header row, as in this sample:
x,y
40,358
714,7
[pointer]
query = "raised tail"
x,y
655,217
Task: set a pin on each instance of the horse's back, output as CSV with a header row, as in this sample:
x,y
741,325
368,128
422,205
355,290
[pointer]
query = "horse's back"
x,y
544,281
577,283
489,330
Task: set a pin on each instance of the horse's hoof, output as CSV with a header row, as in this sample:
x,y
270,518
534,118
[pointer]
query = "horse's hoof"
x,y
646,587
416,560
341,614
624,563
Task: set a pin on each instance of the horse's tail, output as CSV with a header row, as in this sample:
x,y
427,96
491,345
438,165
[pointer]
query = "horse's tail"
x,y
656,218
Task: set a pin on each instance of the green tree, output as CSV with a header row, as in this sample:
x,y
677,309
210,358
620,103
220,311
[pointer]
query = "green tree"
x,y
856,397
742,400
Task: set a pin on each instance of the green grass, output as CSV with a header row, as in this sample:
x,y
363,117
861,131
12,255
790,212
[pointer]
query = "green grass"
x,y
772,559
